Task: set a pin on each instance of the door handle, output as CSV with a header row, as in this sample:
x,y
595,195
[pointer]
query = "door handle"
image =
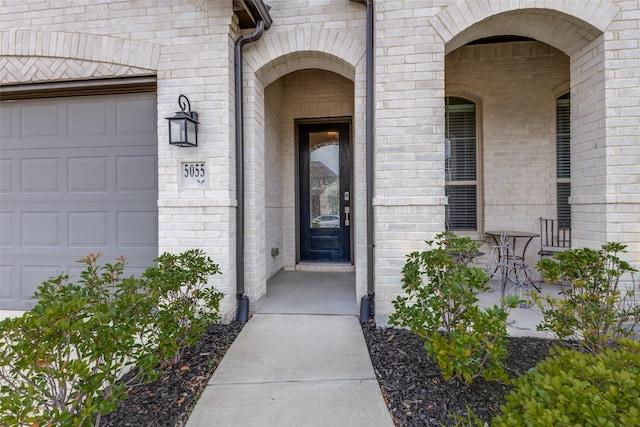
x,y
346,215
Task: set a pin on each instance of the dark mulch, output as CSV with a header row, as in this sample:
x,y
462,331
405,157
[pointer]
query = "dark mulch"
x,y
417,394
169,400
411,382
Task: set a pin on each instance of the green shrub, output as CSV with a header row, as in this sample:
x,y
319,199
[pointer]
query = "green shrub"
x,y
60,361
440,306
572,388
185,302
593,307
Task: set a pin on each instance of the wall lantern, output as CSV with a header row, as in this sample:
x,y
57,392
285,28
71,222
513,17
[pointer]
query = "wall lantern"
x,y
183,127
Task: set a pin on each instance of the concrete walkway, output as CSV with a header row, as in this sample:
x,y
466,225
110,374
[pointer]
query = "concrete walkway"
x,y
302,360
294,370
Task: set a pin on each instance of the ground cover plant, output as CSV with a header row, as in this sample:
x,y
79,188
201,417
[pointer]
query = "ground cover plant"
x,y
573,387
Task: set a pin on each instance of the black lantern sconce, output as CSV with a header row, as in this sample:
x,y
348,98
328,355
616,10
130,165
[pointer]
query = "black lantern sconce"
x,y
183,127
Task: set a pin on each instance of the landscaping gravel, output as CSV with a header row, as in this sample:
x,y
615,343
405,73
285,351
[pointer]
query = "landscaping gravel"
x,y
169,400
418,395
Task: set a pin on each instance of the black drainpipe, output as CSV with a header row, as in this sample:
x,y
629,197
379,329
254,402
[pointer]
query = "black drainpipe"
x,y
242,314
367,304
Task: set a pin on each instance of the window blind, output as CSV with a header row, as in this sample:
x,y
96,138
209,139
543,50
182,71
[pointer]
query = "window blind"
x,y
463,207
461,164
563,137
564,208
563,158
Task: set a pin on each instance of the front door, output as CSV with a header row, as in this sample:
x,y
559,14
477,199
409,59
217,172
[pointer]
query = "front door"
x,y
325,192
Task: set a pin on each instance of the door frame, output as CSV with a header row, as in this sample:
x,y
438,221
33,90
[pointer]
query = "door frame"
x,y
322,121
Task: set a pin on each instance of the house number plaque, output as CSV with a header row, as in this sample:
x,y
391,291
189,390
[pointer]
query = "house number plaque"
x,y
193,174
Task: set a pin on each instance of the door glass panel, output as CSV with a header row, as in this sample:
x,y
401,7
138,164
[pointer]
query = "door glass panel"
x,y
324,179
324,184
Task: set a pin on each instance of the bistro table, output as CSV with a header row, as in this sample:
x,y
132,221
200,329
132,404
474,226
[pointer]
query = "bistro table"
x,y
515,235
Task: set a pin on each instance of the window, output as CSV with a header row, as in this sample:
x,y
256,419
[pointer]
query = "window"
x,y
563,158
461,180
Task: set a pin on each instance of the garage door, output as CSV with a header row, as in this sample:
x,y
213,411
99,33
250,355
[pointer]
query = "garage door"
x,y
78,175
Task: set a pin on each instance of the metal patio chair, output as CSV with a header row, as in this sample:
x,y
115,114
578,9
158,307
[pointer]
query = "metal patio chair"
x,y
555,236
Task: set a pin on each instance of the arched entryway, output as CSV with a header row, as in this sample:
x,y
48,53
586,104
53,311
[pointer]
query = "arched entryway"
x,y
303,93
308,174
514,66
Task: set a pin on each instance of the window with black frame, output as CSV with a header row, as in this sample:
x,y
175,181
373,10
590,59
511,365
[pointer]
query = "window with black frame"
x,y
461,180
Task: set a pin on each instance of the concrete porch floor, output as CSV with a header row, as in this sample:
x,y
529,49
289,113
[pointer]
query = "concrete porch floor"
x,y
311,292
333,293
522,322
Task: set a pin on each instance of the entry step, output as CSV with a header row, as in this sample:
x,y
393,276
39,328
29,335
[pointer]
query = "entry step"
x,y
326,266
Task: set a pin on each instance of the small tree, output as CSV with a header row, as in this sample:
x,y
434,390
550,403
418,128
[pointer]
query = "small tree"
x,y
440,306
593,306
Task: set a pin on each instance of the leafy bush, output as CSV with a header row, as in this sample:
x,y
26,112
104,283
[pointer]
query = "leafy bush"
x,y
571,388
185,304
59,362
440,306
593,307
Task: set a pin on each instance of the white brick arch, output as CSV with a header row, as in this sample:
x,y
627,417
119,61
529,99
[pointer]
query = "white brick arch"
x,y
568,26
274,56
30,56
300,48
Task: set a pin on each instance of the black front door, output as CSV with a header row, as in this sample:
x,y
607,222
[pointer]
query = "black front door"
x,y
325,192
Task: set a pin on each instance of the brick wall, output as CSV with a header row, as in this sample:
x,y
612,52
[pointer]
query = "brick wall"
x,y
298,95
188,44
189,47
515,86
409,197
278,215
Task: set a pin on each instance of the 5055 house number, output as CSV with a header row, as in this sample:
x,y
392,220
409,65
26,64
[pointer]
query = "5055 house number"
x,y
193,174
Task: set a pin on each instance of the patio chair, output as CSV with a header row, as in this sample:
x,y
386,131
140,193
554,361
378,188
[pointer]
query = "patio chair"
x,y
555,236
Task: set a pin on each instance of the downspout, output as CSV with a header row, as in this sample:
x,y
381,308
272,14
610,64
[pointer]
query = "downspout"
x,y
367,304
242,314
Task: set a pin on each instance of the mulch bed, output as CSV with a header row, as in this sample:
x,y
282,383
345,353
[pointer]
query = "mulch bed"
x,y
415,391
418,395
169,400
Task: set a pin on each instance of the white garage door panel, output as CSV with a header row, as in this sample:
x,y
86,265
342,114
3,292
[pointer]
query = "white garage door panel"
x,y
77,176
